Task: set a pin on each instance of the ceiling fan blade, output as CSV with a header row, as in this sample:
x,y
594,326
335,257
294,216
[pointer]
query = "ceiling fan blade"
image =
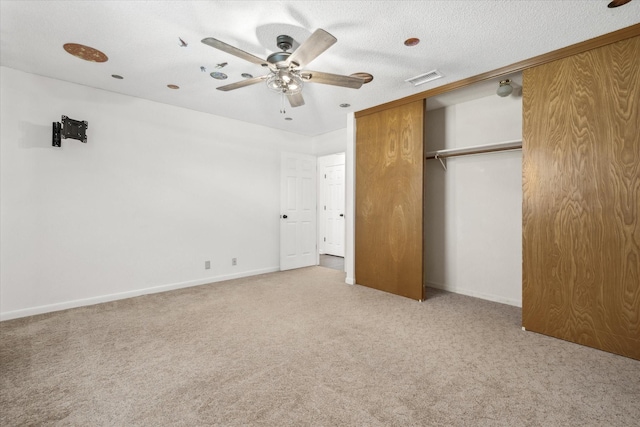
x,y
242,83
296,100
331,79
317,43
210,41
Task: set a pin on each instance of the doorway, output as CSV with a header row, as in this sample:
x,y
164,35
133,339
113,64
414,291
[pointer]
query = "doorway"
x,y
331,209
333,262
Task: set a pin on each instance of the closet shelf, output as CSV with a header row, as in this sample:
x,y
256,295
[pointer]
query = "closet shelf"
x,y
477,149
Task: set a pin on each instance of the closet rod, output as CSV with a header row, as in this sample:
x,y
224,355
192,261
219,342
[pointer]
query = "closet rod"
x,y
477,149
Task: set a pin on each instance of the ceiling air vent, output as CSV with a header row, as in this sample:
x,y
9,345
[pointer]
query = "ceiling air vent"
x,y
424,78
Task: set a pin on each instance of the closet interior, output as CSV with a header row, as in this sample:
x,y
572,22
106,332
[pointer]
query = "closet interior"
x,y
472,194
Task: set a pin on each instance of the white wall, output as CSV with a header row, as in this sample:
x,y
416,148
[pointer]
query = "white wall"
x,y
155,192
473,211
330,143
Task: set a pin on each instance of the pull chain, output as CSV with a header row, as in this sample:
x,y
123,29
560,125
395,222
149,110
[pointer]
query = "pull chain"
x,y
282,104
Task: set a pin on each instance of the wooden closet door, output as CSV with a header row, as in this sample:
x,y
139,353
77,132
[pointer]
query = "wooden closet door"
x,y
389,200
581,198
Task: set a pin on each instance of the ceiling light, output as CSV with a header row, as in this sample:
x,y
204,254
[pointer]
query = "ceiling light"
x,y
413,41
505,88
116,76
173,86
85,52
285,82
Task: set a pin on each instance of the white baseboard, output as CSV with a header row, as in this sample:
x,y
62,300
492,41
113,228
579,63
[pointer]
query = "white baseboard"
x,y
129,294
350,281
475,294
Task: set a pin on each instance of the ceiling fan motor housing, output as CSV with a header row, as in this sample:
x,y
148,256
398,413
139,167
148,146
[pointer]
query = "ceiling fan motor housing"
x,y
284,42
279,59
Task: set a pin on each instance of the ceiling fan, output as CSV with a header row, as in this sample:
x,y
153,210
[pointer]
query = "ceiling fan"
x,y
286,75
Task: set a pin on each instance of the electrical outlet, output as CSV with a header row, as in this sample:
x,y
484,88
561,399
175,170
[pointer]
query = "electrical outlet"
x,y
207,265
234,261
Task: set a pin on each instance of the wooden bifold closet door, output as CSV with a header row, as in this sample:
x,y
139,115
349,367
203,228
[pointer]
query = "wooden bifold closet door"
x,y
581,198
389,200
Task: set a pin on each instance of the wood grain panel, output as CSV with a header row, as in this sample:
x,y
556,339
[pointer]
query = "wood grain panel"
x,y
581,198
389,197
574,49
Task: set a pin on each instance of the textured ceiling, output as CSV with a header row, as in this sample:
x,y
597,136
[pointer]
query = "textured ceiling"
x,y
141,39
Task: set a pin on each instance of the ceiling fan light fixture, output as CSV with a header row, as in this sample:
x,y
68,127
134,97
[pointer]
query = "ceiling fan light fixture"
x,y
285,82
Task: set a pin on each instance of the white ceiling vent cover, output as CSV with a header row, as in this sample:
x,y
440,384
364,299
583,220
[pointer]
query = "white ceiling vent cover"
x,y
424,78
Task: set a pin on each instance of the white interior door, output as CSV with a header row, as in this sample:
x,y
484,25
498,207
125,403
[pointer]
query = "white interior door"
x,y
332,222
298,246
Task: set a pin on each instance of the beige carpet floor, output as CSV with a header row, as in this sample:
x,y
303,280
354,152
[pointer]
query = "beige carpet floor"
x,y
301,348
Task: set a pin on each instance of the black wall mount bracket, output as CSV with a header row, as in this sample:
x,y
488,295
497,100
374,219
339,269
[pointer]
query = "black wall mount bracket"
x,y
69,128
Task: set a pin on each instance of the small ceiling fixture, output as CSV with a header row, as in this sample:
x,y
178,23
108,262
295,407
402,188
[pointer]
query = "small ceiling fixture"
x,y
218,75
617,3
288,118
413,41
173,86
247,75
85,52
505,88
345,105
116,76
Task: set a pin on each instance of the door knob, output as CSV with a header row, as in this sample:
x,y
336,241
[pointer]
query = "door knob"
x,y
341,214
284,216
